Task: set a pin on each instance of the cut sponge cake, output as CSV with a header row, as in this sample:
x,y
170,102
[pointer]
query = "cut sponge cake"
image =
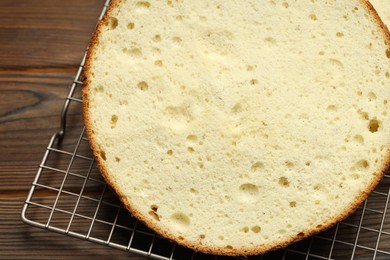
x,y
383,9
238,127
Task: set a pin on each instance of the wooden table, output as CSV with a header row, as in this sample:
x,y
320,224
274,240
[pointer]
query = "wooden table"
x,y
42,43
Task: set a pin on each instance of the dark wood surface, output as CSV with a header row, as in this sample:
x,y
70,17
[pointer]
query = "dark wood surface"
x,y
41,45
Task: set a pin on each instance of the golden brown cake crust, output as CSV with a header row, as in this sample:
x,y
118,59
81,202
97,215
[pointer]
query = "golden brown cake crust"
x,y
199,247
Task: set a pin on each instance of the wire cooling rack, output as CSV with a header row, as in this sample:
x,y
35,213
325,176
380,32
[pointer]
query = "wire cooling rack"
x,y
69,196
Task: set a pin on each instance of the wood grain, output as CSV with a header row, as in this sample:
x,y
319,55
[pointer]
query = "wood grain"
x,y
30,106
19,241
45,33
42,43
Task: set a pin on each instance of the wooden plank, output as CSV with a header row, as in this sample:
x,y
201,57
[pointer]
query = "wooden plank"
x,y
20,241
41,45
46,33
30,107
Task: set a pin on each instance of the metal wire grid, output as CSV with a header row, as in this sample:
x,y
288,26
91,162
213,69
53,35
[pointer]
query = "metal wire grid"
x,y
80,205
